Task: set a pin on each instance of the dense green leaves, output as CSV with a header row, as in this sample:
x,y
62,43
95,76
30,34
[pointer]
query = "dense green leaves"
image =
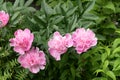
x,y
43,18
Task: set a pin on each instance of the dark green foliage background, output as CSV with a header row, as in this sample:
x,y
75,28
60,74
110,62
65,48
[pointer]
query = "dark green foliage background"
x,y
43,18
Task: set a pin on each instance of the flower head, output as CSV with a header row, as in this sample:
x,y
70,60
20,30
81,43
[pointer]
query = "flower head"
x,y
58,45
22,41
34,60
83,39
4,18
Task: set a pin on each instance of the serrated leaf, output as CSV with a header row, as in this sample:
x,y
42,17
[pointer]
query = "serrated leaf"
x,y
111,75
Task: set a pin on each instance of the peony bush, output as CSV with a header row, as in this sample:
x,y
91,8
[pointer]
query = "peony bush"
x,y
59,40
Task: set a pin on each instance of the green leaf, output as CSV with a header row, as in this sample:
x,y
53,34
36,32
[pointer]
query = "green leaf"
x,y
5,6
111,75
73,23
116,50
31,9
86,23
1,1
58,20
116,43
89,16
80,6
16,3
28,3
89,6
63,75
73,73
39,20
98,71
100,37
107,50
22,3
18,8
109,25
110,5
117,31
104,56
71,11
15,16
116,65
47,9
100,78
105,65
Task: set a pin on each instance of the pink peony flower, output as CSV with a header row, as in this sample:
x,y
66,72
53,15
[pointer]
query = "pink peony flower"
x,y
34,60
83,40
4,18
22,41
58,45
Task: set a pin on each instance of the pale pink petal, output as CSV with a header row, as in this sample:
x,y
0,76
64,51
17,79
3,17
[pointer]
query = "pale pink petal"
x,y
34,60
22,41
55,54
19,50
34,69
4,18
83,39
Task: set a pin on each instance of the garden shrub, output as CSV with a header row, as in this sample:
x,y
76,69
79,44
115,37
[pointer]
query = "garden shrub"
x,y
59,40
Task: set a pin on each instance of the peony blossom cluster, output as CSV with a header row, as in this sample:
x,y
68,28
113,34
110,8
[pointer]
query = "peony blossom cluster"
x,y
4,18
81,39
32,59
58,44
22,41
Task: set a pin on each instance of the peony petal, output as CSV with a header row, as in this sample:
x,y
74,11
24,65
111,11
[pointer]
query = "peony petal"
x,y
55,54
34,69
19,50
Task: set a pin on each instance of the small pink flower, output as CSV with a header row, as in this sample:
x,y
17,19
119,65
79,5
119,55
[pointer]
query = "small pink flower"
x,y
83,40
33,59
22,41
58,45
4,18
